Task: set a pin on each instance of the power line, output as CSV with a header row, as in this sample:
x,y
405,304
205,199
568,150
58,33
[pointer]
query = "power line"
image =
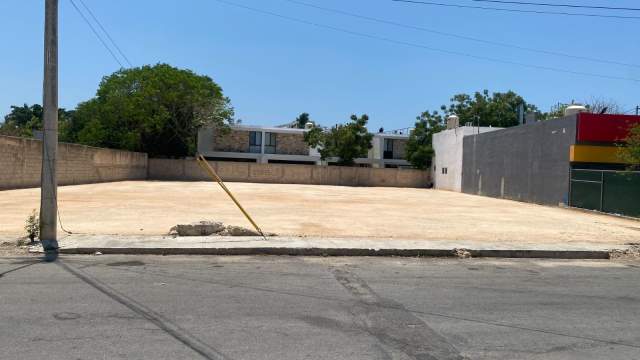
x,y
424,47
559,5
517,10
96,33
106,33
458,36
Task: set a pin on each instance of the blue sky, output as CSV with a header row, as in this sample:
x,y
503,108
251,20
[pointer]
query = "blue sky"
x,y
273,69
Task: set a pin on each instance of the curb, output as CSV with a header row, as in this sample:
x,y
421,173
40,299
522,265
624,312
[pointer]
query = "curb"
x,y
527,254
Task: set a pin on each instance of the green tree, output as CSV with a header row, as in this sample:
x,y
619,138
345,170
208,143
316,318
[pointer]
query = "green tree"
x,y
498,109
488,109
23,120
302,120
154,109
556,111
630,152
419,149
346,142
595,105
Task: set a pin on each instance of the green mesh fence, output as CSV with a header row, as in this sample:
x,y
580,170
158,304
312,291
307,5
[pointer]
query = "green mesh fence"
x,y
621,193
616,192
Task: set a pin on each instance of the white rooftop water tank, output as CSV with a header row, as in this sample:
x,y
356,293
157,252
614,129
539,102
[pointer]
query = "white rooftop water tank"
x,y
574,109
453,121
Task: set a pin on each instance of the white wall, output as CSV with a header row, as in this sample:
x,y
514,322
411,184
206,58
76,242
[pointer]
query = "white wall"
x,y
447,145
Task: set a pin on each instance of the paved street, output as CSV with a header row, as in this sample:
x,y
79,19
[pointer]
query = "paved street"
x,y
149,307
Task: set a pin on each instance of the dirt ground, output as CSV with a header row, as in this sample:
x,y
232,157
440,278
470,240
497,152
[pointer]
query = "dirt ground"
x,y
149,207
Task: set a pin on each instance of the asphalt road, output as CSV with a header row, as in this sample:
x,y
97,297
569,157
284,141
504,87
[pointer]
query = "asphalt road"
x,y
146,307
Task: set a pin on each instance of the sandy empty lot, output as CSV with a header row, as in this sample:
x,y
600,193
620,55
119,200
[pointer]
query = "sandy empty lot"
x,y
149,207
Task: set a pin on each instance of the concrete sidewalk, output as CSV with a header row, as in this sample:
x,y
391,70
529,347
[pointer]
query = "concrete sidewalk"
x,y
314,246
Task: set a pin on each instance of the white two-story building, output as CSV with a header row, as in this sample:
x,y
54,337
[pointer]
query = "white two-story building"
x,y
286,145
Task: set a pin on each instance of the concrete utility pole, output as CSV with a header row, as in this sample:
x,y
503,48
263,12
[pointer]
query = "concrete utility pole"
x,y
48,181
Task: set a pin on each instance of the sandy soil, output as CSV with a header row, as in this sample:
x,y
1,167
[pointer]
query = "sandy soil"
x,y
147,207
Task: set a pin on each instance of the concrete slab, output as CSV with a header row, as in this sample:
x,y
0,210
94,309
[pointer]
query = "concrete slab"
x,y
313,246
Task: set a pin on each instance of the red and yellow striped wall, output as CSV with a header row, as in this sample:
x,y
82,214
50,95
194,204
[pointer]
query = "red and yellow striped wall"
x,y
595,154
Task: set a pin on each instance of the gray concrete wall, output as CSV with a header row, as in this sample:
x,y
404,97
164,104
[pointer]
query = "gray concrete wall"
x,y
188,169
447,146
527,163
21,162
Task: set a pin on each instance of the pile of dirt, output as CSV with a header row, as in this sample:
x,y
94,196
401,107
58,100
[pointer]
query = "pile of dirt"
x,y
16,247
208,228
633,252
462,253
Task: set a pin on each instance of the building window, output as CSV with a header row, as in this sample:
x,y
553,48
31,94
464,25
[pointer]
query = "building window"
x,y
270,140
445,170
388,149
255,142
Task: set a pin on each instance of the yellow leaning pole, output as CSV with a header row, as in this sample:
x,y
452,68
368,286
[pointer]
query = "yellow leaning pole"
x,y
206,167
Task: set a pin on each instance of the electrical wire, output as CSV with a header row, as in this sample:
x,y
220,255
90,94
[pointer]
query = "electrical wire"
x,y
424,47
559,5
458,36
95,32
518,10
106,33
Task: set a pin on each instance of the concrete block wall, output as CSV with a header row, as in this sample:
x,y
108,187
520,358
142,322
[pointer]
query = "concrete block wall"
x,y
21,163
529,163
448,145
188,169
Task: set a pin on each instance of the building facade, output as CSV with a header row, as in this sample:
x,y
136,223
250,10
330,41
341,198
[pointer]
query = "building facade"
x,y
257,144
448,149
286,145
559,161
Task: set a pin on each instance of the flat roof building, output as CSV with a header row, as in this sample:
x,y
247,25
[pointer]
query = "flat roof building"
x,y
572,161
265,144
448,149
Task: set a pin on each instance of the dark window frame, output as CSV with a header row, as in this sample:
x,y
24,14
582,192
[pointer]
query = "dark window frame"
x,y
270,143
255,142
388,149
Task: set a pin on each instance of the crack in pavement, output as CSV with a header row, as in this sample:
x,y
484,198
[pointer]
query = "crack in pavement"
x,y
392,324
178,333
382,305
2,274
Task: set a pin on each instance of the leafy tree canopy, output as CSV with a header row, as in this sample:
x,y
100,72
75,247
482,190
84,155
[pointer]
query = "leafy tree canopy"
x,y
419,149
480,109
487,109
23,120
301,121
153,109
631,151
346,142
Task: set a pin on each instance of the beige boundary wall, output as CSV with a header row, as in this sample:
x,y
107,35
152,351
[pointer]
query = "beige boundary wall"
x,y
188,169
21,162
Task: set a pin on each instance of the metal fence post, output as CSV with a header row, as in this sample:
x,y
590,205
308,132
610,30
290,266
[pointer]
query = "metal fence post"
x,y
602,191
570,199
